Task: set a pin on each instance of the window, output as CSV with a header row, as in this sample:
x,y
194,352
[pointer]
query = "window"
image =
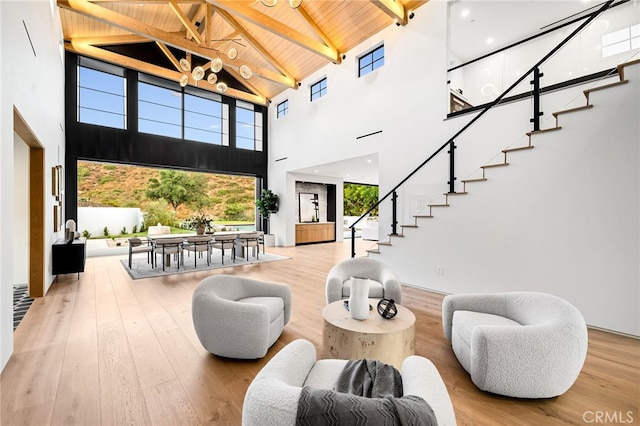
x,y
282,108
371,61
101,98
248,127
203,120
159,110
621,41
318,89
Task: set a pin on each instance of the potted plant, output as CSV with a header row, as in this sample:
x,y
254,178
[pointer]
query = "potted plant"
x,y
200,223
267,204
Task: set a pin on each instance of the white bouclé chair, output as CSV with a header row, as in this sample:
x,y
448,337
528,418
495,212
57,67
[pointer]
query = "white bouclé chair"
x,y
518,344
239,317
272,397
383,282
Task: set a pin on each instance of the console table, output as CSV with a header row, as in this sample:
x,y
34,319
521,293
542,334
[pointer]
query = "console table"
x,y
69,258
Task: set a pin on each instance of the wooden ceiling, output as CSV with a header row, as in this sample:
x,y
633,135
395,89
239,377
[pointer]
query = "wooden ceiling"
x,y
280,45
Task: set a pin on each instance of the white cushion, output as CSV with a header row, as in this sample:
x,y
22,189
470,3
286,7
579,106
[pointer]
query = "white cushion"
x,y
275,305
465,321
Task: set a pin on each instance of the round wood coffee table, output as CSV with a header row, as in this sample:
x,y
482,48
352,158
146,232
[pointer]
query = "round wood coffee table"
x,y
389,341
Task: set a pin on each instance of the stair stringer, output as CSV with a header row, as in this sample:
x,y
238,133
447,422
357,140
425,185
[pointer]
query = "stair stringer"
x,y
538,225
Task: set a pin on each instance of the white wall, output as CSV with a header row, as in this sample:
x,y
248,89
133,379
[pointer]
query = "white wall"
x,y
34,85
94,219
407,99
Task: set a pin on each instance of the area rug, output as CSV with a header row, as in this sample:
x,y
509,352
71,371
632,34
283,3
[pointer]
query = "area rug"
x,y
141,269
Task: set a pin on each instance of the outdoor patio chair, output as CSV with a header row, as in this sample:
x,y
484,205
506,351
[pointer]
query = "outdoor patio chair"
x,y
199,245
167,247
137,245
250,240
223,242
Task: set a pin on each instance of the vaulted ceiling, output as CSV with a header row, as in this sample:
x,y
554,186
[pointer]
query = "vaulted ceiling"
x,y
277,47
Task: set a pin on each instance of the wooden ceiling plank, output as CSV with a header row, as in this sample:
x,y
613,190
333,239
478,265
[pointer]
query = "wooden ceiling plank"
x,y
291,81
394,9
267,23
124,61
186,22
169,55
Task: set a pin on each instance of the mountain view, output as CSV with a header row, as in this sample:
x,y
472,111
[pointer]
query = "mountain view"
x,y
227,197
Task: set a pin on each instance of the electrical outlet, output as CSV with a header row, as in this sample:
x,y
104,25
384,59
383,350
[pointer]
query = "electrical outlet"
x,y
440,270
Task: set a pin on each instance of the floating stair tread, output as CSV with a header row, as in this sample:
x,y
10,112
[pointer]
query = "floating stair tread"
x,y
488,166
621,67
384,243
395,235
456,193
409,226
474,180
566,111
605,86
439,205
373,251
551,129
520,148
428,216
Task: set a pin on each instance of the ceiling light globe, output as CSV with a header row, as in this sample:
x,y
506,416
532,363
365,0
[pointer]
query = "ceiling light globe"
x,y
221,87
198,73
185,65
184,80
212,78
245,72
232,53
295,3
269,3
216,65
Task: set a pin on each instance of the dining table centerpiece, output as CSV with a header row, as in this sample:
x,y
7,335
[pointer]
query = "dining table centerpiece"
x,y
200,223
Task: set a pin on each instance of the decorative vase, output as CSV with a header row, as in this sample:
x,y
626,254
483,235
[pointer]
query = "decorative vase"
x,y
359,298
200,230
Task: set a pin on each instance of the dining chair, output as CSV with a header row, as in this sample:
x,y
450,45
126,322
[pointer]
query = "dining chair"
x,y
261,240
137,245
250,240
222,242
199,245
167,247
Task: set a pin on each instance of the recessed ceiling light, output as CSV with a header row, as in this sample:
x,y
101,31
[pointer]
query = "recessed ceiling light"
x,y
369,160
316,170
464,13
490,40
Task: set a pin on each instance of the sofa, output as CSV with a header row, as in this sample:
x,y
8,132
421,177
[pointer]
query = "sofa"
x,y
272,397
239,317
518,344
383,282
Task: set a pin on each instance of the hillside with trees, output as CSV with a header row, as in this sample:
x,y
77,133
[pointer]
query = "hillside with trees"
x,y
222,197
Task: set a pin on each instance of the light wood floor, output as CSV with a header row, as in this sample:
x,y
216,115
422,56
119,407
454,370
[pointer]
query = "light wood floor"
x,y
106,350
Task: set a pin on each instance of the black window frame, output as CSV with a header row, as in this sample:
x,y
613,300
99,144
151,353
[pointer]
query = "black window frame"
x,y
370,64
318,89
282,109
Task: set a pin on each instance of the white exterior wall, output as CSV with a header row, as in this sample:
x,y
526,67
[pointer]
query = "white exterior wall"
x,y
34,85
407,99
94,219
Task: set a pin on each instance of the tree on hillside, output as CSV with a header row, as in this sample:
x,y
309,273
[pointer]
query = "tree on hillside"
x,y
177,188
359,198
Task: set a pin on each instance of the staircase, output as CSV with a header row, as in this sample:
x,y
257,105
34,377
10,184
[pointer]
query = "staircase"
x,y
559,214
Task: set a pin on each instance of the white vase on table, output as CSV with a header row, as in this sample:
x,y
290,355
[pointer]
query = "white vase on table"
x,y
359,298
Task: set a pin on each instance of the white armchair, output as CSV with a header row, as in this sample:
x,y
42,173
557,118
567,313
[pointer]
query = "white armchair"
x,y
272,397
383,282
518,344
239,317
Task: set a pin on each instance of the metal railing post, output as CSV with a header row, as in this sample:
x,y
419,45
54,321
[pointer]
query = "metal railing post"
x,y
536,99
394,214
353,241
452,166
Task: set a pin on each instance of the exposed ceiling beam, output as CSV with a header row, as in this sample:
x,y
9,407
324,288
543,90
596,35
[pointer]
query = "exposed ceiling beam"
x,y
314,26
186,22
269,24
394,9
127,23
169,55
291,81
124,61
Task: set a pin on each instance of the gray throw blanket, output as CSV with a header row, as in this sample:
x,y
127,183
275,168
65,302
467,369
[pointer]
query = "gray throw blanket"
x,y
368,392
